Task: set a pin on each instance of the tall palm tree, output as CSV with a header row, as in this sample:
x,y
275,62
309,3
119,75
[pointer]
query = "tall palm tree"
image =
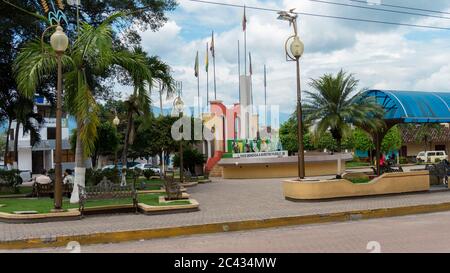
x,y
139,103
91,54
333,106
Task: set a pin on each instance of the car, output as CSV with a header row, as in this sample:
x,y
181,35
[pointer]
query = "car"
x,y
432,156
143,167
111,167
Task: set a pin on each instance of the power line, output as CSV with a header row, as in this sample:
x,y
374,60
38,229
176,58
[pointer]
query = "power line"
x,y
400,7
322,15
379,9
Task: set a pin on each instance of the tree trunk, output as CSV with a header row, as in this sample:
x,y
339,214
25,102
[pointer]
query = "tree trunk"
x,y
80,168
16,145
127,139
339,144
160,101
7,142
125,148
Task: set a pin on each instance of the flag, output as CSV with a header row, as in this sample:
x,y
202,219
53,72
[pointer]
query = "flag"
x,y
196,66
244,21
250,59
213,49
207,58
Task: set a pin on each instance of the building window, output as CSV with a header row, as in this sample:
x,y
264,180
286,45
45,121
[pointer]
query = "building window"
x,y
68,156
51,133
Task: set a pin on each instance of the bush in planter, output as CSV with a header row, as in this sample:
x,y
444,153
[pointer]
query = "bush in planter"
x,y
10,179
148,173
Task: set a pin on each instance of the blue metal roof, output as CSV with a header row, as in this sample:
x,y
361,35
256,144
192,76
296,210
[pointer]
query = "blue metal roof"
x,y
413,106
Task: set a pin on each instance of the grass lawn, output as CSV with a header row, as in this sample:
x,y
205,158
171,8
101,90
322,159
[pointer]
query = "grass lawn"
x,y
44,205
353,164
22,190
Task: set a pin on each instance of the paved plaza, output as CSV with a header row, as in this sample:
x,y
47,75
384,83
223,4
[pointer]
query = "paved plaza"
x,y
417,233
220,201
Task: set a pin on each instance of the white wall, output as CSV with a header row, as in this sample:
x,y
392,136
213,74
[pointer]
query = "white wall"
x,y
25,159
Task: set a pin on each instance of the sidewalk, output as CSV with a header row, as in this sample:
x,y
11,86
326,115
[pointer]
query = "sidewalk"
x,y
220,201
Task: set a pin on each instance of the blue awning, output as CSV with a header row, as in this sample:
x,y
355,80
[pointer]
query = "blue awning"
x,y
413,106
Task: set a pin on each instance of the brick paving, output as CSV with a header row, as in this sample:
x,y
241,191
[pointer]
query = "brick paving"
x,y
221,201
418,233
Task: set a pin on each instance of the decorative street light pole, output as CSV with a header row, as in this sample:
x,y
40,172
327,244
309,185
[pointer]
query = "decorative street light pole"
x,y
59,43
294,51
116,123
179,106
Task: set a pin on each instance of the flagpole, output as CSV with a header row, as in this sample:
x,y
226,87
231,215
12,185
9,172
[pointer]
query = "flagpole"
x,y
239,69
251,78
207,75
265,96
214,65
245,40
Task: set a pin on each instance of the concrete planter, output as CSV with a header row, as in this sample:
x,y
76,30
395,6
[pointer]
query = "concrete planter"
x,y
390,183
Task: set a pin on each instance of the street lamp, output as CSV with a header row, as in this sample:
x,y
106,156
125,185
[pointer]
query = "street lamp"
x,y
294,50
59,43
116,123
179,106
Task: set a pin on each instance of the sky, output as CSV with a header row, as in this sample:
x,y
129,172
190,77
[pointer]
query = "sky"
x,y
380,56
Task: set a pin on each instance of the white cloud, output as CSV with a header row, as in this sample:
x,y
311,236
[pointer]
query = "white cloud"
x,y
381,56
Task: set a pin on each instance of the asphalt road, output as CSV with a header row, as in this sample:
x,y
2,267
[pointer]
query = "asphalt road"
x,y
418,233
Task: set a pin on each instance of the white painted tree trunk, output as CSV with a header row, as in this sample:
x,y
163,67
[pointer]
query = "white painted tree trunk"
x,y
80,169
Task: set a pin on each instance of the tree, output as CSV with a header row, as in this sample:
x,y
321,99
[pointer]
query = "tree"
x,y
289,136
191,158
106,143
3,138
91,54
333,107
392,141
139,103
424,133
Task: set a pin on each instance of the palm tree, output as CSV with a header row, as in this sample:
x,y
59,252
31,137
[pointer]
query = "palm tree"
x,y
334,107
30,121
91,54
139,103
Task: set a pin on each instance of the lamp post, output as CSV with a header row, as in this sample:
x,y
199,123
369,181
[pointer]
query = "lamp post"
x,y
59,43
179,106
294,51
116,123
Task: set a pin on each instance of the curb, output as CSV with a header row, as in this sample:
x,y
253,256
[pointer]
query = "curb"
x,y
135,235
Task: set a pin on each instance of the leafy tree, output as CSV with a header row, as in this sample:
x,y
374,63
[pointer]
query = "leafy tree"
x,y
139,103
363,142
289,136
91,54
191,158
326,141
392,141
333,108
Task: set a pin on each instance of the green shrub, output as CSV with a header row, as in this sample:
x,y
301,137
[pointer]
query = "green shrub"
x,y
403,160
148,173
437,160
10,179
93,177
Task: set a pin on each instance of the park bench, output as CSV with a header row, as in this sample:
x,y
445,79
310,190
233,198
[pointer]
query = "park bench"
x,y
106,190
45,190
440,171
172,187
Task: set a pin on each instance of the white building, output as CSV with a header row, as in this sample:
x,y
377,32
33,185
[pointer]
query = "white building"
x,y
41,156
